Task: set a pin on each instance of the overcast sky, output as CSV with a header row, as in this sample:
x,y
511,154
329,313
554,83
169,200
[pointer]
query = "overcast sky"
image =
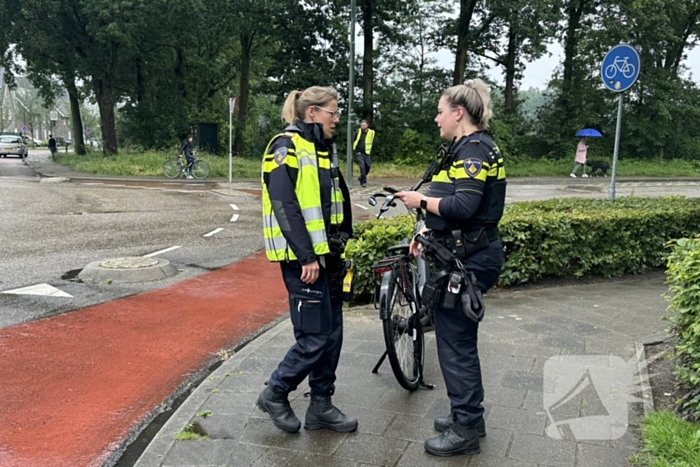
x,y
537,73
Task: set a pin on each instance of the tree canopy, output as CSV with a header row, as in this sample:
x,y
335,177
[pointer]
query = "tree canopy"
x,y
155,67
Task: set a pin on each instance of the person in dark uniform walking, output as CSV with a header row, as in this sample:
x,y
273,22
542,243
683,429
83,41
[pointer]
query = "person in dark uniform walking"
x,y
188,148
363,148
52,147
464,201
307,220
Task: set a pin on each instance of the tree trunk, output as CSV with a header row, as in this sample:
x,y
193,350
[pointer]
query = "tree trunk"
x,y
368,64
574,13
510,70
242,104
77,122
104,93
466,11
140,81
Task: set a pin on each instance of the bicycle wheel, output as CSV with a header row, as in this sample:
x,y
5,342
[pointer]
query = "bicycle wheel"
x,y
610,71
403,335
172,168
200,169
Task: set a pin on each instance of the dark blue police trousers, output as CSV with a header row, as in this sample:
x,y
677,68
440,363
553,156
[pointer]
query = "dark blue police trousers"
x,y
456,337
318,329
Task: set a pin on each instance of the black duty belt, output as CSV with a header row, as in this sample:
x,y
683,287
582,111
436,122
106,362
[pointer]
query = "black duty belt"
x,y
467,243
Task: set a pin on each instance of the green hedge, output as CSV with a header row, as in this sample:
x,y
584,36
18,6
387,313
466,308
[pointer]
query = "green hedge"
x,y
559,238
684,294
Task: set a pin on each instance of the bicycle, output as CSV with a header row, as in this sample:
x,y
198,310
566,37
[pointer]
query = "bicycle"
x,y
176,166
404,317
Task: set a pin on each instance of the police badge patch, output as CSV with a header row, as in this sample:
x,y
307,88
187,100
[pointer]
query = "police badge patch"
x,y
280,155
473,167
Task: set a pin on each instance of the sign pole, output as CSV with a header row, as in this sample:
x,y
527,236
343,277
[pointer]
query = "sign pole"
x,y
231,108
351,93
617,147
619,71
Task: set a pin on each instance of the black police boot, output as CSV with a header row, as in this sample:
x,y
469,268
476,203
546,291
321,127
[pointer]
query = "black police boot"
x,y
443,423
323,414
281,413
458,439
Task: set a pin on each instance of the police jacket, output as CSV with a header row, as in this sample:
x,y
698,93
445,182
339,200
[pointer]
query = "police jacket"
x,y
298,195
472,186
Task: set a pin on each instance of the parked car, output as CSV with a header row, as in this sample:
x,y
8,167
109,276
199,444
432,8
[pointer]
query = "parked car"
x,y
12,145
61,141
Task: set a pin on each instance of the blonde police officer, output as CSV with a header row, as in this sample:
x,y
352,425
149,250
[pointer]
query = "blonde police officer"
x,y
306,216
465,201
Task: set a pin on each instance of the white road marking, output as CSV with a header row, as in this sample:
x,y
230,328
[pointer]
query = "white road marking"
x,y
98,183
214,232
39,289
162,251
235,216
361,206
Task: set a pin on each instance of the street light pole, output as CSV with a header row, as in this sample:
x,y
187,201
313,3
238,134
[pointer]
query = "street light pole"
x,y
351,91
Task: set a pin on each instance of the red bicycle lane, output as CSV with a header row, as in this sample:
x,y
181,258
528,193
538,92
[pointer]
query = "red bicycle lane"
x,y
73,386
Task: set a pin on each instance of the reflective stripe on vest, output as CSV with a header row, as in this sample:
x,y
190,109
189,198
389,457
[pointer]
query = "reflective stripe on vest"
x,y
368,141
337,199
308,192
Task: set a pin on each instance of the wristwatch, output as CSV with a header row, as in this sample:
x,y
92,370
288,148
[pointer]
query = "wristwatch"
x,y
424,203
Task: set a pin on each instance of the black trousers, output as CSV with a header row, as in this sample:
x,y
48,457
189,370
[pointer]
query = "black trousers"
x,y
318,329
364,161
456,337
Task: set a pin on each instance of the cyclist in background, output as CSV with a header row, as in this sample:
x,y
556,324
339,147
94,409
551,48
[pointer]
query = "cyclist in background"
x,y
188,149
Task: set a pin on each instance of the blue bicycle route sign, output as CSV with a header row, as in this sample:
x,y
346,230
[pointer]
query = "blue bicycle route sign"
x,y
620,68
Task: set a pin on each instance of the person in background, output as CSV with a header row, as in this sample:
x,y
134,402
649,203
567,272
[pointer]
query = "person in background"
x,y
188,149
581,150
52,146
363,149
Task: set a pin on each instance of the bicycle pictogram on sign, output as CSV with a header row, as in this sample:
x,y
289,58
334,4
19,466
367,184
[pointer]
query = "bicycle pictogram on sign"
x,y
620,65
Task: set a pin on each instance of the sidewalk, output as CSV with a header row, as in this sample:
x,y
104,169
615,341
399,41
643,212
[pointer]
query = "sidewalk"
x,y
526,333
43,165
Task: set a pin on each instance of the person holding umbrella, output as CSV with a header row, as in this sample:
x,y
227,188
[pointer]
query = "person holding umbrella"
x,y
582,150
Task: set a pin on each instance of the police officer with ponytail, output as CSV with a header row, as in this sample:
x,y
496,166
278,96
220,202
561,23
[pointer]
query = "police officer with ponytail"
x,y
307,220
464,204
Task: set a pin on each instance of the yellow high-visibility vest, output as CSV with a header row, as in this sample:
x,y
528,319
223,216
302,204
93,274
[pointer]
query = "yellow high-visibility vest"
x,y
308,191
368,141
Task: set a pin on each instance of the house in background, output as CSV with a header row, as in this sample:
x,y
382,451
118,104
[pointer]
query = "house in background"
x,y
22,107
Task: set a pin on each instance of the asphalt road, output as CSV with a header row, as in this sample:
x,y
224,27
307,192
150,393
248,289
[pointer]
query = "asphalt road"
x,y
50,229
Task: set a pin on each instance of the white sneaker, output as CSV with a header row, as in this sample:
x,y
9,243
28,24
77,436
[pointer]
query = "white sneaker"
x,y
188,176
585,176
572,175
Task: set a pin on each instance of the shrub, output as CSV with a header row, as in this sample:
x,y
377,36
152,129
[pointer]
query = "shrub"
x,y
684,296
558,238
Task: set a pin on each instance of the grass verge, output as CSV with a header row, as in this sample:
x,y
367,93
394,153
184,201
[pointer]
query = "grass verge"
x,y
150,163
668,441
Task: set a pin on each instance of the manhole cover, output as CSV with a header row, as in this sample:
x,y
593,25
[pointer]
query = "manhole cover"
x,y
128,269
129,263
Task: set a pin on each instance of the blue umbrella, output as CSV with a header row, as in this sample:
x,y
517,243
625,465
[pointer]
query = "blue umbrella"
x,y
589,132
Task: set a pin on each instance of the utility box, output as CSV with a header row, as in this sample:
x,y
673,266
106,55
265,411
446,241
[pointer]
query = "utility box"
x,y
205,136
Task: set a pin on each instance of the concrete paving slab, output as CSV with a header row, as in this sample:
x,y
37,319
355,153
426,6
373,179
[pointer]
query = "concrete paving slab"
x,y
394,423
